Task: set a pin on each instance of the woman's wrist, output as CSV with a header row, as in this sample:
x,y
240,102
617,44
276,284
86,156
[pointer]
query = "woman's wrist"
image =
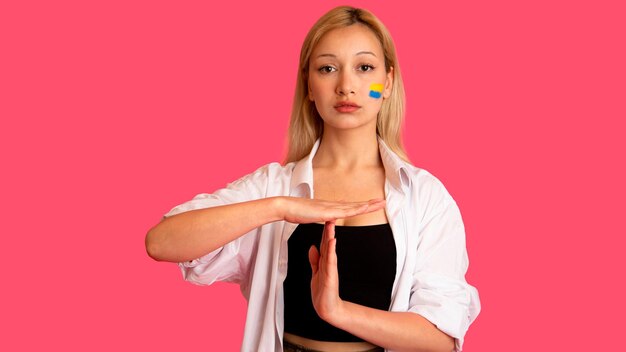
x,y
277,206
339,316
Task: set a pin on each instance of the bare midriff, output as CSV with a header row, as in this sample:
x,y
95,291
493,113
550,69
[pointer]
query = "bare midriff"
x,y
329,346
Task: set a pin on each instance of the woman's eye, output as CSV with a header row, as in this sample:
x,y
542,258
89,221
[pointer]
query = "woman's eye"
x,y
327,69
366,68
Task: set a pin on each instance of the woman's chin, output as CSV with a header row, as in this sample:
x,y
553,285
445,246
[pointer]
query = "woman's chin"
x,y
345,123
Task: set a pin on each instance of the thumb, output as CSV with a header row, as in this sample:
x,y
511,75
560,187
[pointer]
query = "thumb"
x,y
314,257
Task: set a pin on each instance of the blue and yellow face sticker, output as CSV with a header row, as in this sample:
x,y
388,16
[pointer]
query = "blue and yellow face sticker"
x,y
376,90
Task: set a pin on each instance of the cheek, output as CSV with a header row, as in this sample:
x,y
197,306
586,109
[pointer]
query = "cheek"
x,y
376,90
319,89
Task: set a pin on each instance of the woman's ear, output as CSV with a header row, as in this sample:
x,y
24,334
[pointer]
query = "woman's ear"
x,y
388,83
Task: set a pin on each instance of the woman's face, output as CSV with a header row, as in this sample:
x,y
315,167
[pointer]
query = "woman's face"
x,y
347,78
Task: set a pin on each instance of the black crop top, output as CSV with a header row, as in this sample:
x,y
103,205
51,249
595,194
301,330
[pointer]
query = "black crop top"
x,y
366,263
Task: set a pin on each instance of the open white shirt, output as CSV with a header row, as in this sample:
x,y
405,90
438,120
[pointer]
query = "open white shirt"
x,y
427,228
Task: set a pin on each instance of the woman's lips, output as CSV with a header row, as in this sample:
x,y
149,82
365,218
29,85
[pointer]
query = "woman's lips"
x,y
346,107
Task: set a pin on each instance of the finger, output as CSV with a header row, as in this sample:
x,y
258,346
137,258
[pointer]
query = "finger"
x,y
328,262
363,209
329,228
314,258
324,242
376,205
331,257
377,200
339,210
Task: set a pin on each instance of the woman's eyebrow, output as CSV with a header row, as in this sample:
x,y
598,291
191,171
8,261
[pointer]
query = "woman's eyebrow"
x,y
364,53
359,53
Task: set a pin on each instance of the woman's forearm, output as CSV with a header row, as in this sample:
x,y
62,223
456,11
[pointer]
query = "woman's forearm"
x,y
192,234
398,331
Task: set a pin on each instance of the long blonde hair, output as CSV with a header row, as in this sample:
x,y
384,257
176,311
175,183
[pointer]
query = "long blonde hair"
x,y
306,125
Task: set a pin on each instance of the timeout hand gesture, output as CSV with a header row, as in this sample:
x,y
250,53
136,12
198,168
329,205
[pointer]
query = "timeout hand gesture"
x,y
325,278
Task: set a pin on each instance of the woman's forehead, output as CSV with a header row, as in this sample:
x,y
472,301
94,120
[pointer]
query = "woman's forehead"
x,y
354,40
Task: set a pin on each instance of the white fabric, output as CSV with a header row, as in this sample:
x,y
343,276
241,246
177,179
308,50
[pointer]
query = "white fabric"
x,y
427,229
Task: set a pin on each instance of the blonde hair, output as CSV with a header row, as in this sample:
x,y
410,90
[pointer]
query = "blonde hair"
x,y
306,125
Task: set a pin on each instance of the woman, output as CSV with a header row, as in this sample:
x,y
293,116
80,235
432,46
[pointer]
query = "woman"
x,y
347,247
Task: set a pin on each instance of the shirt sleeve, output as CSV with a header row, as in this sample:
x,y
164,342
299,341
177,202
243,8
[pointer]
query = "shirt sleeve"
x,y
440,292
229,263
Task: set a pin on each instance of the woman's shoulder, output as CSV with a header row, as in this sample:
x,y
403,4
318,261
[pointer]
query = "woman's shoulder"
x,y
271,174
271,170
424,184
421,177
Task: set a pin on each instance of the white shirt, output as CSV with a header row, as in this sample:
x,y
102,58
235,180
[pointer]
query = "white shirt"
x,y
427,229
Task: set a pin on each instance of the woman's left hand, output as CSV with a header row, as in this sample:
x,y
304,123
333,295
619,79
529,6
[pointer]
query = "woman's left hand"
x,y
392,330
325,280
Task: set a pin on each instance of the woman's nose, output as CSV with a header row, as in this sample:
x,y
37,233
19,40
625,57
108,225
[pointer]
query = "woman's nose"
x,y
345,85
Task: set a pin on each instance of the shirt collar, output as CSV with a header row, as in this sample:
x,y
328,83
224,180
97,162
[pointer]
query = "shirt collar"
x,y
396,171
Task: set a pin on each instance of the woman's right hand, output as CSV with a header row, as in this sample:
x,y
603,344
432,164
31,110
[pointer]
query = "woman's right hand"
x,y
192,234
304,210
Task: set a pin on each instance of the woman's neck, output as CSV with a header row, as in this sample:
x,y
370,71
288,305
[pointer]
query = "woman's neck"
x,y
347,150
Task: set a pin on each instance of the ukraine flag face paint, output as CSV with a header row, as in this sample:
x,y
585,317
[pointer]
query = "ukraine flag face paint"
x,y
376,90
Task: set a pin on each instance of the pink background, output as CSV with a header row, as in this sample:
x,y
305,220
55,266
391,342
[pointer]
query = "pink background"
x,y
112,112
